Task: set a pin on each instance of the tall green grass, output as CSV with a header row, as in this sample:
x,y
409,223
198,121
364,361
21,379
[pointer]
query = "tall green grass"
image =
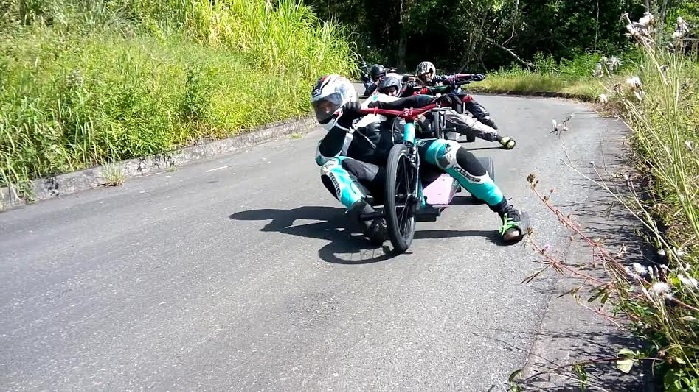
x,y
666,140
658,301
83,83
568,77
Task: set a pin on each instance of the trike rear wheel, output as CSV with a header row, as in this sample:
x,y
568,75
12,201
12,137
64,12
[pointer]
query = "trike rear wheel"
x,y
401,201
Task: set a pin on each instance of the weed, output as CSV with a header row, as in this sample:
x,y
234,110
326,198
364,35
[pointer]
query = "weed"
x,y
113,174
82,84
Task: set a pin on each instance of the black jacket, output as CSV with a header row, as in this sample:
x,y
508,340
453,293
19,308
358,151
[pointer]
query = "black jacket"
x,y
371,138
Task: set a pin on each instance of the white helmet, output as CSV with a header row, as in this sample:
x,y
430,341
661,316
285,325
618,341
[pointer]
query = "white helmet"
x,y
329,94
424,68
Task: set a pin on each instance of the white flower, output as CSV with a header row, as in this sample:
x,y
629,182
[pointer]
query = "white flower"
x,y
647,19
614,61
689,281
634,83
598,71
661,252
641,270
689,144
660,288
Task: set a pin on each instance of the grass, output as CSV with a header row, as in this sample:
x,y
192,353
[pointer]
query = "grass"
x,y
657,302
527,82
113,175
665,139
566,78
80,86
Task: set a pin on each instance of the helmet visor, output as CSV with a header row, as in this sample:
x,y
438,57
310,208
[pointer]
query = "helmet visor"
x,y
325,107
426,76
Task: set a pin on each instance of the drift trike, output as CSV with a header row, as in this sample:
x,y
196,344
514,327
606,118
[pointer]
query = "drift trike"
x,y
405,199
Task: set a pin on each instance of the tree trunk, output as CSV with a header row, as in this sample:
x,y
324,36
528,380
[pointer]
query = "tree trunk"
x,y
403,36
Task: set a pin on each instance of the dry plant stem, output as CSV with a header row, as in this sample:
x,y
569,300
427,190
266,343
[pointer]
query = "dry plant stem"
x,y
603,252
644,220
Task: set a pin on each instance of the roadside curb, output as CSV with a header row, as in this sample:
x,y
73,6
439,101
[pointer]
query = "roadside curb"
x,y
69,183
543,94
95,177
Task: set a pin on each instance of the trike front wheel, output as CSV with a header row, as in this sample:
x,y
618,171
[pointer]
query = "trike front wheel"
x,y
401,197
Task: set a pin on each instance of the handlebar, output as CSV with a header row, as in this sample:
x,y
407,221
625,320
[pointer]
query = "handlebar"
x,y
408,113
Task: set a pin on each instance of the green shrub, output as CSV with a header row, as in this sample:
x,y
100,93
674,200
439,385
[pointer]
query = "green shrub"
x,y
113,82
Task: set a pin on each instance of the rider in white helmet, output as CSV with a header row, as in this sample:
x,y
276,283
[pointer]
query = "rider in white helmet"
x,y
354,151
471,117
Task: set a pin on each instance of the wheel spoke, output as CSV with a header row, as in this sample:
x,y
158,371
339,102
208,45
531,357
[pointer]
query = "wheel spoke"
x,y
404,183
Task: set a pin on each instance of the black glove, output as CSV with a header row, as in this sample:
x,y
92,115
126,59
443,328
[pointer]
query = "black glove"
x,y
477,77
374,104
447,100
351,109
410,86
350,112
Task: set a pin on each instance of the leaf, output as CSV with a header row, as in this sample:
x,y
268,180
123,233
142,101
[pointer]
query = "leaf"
x,y
624,365
599,292
514,375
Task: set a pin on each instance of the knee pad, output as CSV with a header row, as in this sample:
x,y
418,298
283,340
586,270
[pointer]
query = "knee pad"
x,y
442,153
465,168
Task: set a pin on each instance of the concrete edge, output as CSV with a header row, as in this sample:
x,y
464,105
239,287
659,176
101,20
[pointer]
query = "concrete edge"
x,y
68,183
542,94
106,175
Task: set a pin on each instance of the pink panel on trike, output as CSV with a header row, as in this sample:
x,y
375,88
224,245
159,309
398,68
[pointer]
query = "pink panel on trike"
x,y
440,191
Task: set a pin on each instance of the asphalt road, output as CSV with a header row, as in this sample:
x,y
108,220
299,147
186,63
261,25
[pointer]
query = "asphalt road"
x,y
238,273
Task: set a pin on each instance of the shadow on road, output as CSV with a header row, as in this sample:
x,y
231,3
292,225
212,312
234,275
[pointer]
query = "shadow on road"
x,y
342,238
331,226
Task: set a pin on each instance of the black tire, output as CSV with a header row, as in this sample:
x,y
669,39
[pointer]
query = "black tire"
x,y
437,126
470,138
401,177
488,164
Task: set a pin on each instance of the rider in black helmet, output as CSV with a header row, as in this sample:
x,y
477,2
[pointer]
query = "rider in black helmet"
x,y
376,73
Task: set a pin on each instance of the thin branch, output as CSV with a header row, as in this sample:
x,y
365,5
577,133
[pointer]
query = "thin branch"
x,y
527,63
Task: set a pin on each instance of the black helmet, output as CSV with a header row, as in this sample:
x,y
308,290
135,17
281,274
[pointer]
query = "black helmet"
x,y
377,71
388,83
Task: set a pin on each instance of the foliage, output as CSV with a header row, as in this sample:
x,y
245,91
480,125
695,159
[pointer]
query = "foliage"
x,y
657,300
112,81
665,121
482,35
